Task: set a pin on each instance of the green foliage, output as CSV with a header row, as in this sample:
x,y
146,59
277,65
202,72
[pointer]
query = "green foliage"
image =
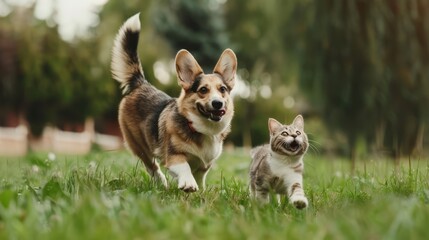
x,y
254,29
53,82
108,195
7,196
362,64
9,97
193,25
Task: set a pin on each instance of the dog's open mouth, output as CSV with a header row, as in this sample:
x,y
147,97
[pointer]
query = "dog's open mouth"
x,y
215,115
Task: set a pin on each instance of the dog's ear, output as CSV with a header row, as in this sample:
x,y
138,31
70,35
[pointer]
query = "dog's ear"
x,y
226,67
187,68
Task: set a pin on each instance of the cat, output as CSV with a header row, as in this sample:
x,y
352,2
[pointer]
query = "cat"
x,y
278,166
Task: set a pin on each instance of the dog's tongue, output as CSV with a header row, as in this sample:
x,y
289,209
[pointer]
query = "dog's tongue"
x,y
218,113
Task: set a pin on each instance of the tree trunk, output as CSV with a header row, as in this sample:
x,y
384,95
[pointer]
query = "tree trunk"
x,y
418,145
379,136
353,156
247,135
397,151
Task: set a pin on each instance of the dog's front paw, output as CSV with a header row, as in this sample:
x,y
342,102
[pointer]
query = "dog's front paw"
x,y
300,202
188,184
185,179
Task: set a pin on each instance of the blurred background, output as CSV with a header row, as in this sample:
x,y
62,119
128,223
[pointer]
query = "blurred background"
x,y
357,70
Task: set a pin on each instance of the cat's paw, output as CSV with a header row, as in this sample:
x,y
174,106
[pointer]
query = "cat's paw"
x,y
300,202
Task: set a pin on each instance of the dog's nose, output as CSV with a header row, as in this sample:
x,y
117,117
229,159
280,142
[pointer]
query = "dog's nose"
x,y
217,104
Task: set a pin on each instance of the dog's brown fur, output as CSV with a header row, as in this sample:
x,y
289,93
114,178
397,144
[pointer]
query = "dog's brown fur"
x,y
183,133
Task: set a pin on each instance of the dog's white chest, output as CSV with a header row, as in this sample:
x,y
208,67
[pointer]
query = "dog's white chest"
x,y
209,150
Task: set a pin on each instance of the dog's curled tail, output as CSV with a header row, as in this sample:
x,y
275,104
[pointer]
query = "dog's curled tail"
x,y
125,65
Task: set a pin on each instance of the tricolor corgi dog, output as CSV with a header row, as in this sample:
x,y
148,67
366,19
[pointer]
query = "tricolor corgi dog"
x,y
184,134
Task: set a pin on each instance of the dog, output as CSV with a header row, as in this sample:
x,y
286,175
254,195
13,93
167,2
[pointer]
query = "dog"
x,y
184,134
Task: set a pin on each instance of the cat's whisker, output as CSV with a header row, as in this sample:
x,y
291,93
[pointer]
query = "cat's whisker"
x,y
313,145
314,149
313,141
309,164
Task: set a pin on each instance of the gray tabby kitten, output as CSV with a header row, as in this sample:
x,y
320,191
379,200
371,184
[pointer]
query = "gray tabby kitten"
x,y
278,166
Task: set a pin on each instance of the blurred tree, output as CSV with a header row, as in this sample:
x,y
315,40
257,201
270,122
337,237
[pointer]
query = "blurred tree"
x,y
363,65
89,88
336,71
193,25
404,38
45,83
55,82
254,28
9,88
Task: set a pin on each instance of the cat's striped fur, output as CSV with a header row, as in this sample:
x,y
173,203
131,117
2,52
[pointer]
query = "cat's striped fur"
x,y
278,166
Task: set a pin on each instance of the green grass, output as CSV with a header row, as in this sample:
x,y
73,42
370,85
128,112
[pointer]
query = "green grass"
x,y
107,195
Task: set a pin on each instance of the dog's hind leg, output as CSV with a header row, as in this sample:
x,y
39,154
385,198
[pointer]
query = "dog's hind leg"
x,y
153,168
150,163
157,174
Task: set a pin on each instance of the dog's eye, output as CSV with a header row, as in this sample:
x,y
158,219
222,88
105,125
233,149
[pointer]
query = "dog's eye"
x,y
203,90
298,133
223,89
285,134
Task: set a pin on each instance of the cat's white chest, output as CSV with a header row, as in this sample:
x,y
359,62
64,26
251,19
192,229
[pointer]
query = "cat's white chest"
x,y
281,168
287,172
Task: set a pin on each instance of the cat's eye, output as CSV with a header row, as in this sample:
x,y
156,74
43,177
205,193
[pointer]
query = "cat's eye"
x,y
285,134
298,133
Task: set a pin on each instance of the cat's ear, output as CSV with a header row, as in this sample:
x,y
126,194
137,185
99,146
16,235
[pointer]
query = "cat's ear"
x,y
274,125
298,122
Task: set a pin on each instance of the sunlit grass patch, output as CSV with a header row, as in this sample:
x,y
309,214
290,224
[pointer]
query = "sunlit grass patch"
x,y
108,195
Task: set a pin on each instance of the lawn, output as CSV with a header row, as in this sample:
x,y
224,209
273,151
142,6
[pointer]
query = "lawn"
x,y
107,195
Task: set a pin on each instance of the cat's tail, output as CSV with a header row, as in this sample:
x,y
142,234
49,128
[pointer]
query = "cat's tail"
x,y
254,150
